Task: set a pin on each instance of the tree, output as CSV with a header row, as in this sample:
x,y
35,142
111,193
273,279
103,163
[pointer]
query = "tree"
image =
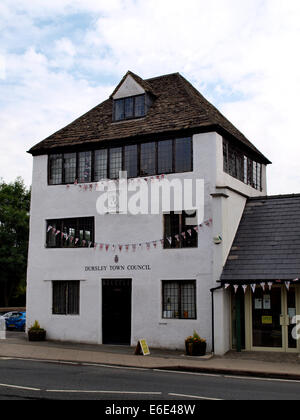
x,y
14,235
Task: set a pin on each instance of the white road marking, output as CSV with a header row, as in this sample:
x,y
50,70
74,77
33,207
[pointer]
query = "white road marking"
x,y
251,378
19,387
189,373
197,397
75,391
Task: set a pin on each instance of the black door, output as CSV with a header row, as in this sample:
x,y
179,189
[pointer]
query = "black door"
x,y
116,311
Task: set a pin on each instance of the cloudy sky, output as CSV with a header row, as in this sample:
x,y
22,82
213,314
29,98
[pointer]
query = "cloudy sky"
x,y
59,58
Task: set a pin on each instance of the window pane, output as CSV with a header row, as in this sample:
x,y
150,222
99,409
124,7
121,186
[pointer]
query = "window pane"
x,y
139,106
259,176
188,301
115,162
52,238
85,167
183,158
170,300
131,161
179,299
73,297
165,156
100,165
254,182
59,303
148,159
172,227
72,232
70,168
191,236
129,102
119,109
55,169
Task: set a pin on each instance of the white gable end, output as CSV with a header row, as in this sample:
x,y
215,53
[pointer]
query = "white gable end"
x,y
129,88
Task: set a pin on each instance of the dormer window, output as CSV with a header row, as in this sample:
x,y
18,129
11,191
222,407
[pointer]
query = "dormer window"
x,y
129,108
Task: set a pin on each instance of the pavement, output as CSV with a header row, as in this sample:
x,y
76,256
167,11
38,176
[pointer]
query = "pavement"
x,y
259,364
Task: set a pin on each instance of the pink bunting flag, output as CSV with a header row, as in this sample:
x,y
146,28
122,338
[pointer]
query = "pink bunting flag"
x,y
106,247
189,231
196,229
287,285
263,286
101,246
245,288
148,246
226,286
253,287
183,235
127,248
134,247
177,238
49,228
76,241
270,284
235,288
155,244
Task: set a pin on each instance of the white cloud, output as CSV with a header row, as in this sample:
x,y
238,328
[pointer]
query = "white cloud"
x,y
2,67
241,55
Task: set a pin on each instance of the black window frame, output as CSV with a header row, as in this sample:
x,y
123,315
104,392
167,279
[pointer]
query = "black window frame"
x,y
95,168
65,302
190,241
123,102
241,166
82,224
178,287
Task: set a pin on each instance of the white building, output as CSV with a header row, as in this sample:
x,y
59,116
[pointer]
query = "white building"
x,y
109,278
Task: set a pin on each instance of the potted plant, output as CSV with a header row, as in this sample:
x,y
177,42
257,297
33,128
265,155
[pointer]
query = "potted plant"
x,y
36,333
195,345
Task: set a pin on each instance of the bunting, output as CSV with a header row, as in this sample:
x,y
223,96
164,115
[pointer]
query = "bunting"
x,y
119,247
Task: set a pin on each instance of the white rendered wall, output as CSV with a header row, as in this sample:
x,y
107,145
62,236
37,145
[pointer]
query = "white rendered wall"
x,y
203,264
129,88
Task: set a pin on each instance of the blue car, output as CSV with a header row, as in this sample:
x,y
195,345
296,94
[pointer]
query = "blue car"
x,y
16,322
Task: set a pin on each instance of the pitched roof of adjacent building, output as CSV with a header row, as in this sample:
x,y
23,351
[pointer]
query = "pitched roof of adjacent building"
x,y
267,244
178,106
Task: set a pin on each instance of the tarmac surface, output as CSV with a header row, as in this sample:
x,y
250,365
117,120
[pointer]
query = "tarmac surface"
x,y
259,364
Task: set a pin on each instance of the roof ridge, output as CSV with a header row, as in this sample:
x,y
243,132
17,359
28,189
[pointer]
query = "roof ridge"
x,y
274,197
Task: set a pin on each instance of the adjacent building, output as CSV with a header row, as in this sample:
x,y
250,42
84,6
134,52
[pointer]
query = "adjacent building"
x,y
115,278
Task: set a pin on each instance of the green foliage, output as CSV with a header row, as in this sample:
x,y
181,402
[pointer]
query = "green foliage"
x,y
14,234
36,327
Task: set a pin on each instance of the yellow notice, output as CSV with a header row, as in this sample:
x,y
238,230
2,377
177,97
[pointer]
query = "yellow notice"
x,y
144,347
267,320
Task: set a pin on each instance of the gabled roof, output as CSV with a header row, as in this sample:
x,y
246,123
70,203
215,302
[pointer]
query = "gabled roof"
x,y
143,83
178,106
267,244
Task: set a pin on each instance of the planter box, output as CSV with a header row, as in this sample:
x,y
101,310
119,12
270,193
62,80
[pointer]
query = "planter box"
x,y
37,335
195,349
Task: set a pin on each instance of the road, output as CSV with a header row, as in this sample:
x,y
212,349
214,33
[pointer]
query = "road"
x,y
22,379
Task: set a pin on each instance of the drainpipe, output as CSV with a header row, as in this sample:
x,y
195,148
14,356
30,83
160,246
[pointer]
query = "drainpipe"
x,y
213,316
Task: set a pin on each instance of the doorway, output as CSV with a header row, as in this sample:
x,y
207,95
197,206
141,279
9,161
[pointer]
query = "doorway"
x,y
271,318
116,311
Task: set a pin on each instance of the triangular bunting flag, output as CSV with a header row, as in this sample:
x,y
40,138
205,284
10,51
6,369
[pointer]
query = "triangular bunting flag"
x,y
245,288
253,287
236,288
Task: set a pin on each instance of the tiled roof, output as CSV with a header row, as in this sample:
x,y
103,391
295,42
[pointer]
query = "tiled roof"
x,y
267,244
178,106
